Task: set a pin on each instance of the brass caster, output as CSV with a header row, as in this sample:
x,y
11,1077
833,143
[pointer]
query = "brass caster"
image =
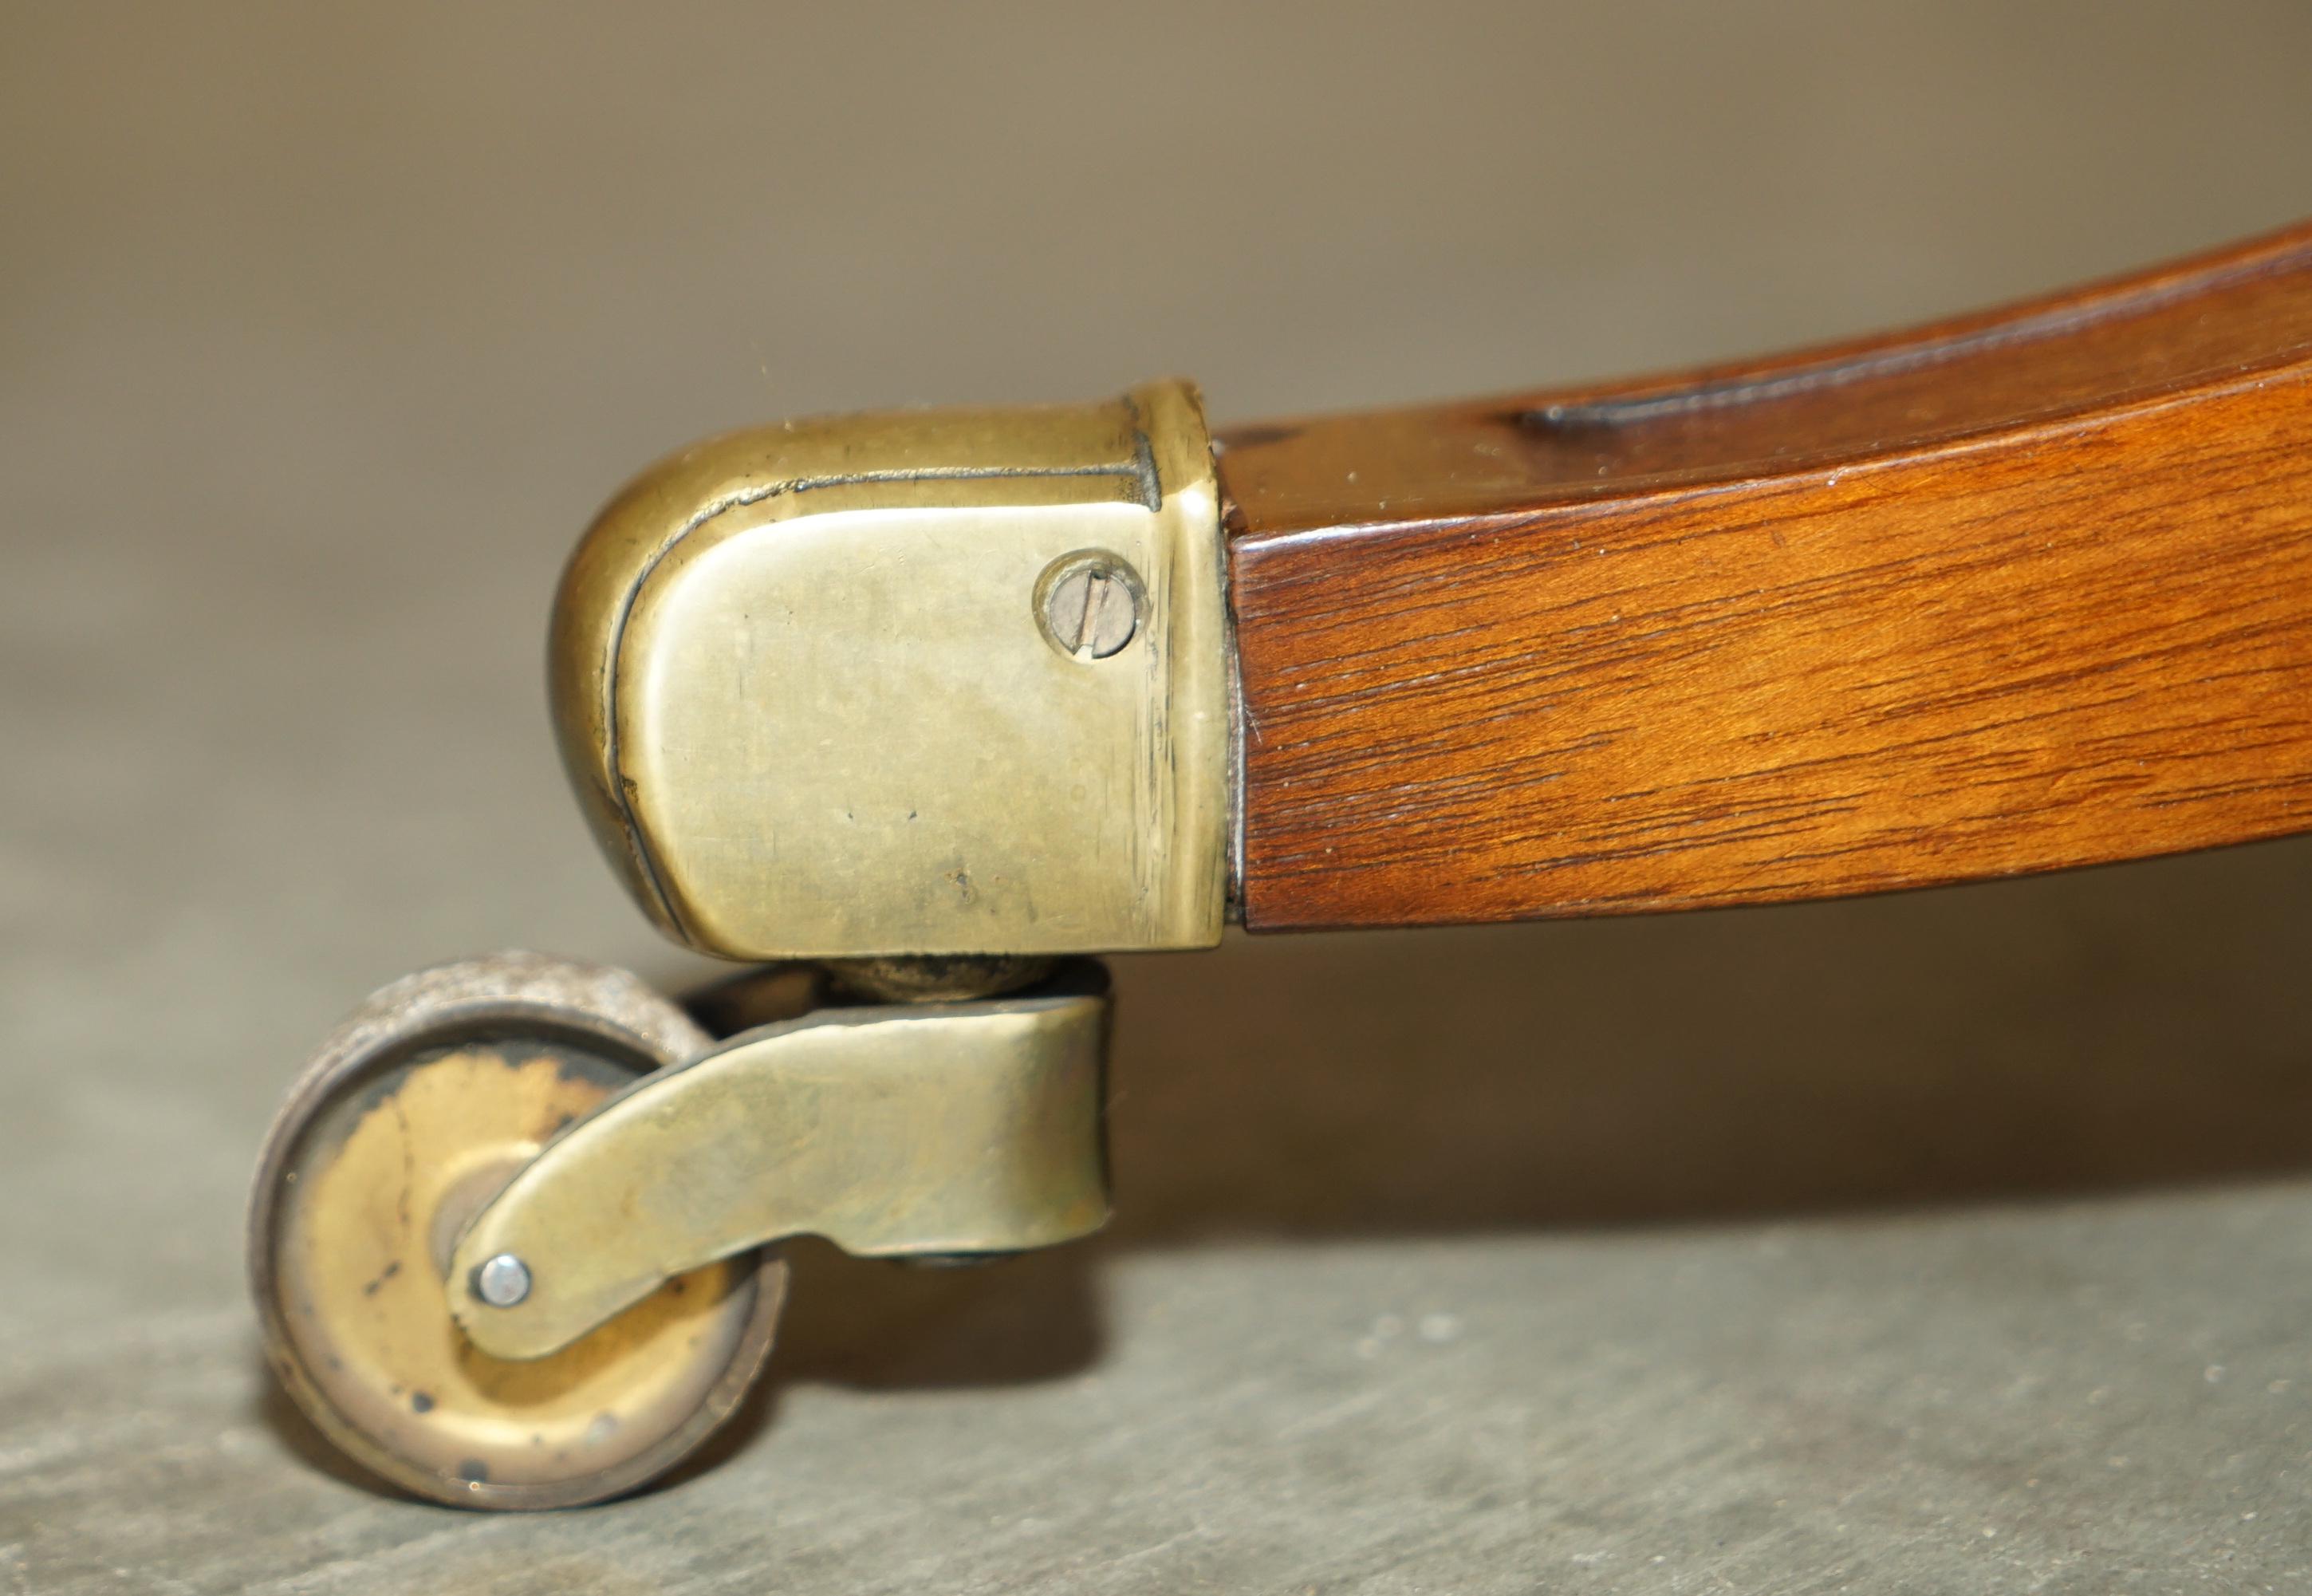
x,y
509,1238
412,1116
511,1234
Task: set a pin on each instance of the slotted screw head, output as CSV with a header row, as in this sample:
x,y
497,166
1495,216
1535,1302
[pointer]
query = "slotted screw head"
x,y
1090,604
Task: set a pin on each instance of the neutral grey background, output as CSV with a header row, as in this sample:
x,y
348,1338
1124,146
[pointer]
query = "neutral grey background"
x,y
1949,1243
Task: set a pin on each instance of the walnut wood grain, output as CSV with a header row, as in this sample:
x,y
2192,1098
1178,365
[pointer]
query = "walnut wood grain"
x,y
2010,594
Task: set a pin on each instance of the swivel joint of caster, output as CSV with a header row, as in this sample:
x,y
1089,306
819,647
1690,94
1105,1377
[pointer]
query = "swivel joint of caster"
x,y
937,699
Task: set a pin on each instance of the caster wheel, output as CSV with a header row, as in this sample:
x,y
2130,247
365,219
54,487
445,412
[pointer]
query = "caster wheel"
x,y
412,1116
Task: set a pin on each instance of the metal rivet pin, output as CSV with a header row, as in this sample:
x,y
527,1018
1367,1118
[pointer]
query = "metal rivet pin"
x,y
502,1281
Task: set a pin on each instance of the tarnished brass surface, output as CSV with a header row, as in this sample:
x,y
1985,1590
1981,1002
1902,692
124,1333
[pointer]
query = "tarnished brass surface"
x,y
939,1128
415,1113
806,682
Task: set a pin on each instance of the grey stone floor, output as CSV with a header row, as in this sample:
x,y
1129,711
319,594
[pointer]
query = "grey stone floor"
x,y
1943,1244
